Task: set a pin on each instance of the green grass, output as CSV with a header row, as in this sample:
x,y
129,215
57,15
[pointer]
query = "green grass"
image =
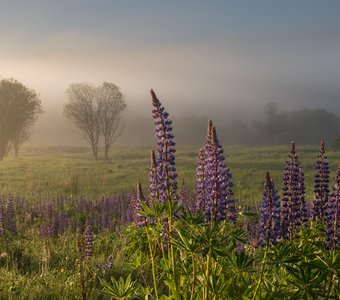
x,y
73,171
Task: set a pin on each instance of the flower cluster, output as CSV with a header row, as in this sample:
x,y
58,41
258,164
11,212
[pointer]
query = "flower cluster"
x,y
2,219
165,161
219,203
294,210
332,215
105,267
200,179
88,251
139,219
270,219
321,185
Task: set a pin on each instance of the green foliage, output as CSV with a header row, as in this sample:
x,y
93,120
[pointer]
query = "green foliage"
x,y
119,289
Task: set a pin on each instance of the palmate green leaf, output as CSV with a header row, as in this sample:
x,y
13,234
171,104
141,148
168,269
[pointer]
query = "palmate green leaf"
x,y
275,290
307,282
329,260
121,289
190,219
283,256
217,285
250,215
155,211
241,263
236,236
189,244
172,207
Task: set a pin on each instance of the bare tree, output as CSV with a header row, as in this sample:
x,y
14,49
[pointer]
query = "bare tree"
x,y
19,109
111,103
82,108
96,111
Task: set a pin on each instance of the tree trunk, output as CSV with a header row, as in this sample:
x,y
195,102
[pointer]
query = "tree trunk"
x,y
95,151
16,149
2,152
107,148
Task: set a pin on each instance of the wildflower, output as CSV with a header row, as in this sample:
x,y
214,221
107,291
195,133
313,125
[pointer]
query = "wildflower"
x,y
165,162
138,218
184,196
218,185
200,178
154,186
269,228
2,219
11,225
332,215
294,210
321,185
88,241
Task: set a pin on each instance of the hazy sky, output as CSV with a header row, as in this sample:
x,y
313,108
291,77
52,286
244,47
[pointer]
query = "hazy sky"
x,y
199,56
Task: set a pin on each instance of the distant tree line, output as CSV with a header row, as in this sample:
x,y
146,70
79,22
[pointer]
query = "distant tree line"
x,y
97,113
308,126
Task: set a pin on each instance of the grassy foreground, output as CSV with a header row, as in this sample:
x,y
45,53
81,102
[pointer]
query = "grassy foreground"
x,y
37,265
73,172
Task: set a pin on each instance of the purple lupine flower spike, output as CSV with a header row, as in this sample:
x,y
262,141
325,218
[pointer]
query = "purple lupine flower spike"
x,y
321,185
303,202
332,215
200,178
88,251
294,210
2,219
55,225
138,218
11,225
270,220
166,170
184,195
218,185
154,186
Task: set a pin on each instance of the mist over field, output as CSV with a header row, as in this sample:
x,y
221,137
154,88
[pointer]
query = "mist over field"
x,y
306,125
217,61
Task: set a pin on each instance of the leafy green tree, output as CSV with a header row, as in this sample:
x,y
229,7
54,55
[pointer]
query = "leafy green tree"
x,y
20,107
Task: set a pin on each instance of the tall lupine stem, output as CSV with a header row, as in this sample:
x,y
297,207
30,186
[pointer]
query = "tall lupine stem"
x,y
332,215
166,173
321,185
142,221
218,185
269,228
293,212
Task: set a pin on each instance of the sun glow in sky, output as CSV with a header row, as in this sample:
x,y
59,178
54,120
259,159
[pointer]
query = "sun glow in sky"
x,y
198,55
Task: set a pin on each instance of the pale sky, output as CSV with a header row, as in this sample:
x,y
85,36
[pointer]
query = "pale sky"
x,y
200,57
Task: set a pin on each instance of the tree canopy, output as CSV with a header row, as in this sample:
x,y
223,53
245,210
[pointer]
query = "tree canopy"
x,y
96,111
20,107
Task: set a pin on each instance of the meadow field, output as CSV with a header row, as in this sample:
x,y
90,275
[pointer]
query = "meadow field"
x,y
52,171
50,250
